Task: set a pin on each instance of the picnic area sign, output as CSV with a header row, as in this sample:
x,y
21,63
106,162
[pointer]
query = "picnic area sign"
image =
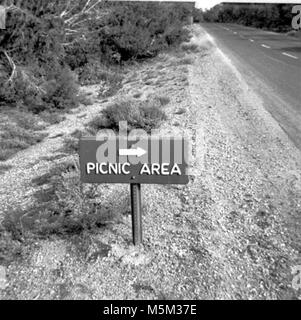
x,y
145,161
134,159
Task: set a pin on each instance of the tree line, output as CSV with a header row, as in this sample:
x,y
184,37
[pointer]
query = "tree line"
x,y
275,17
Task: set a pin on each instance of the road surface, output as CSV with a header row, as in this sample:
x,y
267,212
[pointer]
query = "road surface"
x,y
271,63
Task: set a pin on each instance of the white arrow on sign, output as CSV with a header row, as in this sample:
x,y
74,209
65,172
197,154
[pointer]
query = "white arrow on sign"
x,y
132,152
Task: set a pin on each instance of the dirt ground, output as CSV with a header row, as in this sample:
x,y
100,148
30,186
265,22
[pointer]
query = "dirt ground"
x,y
232,233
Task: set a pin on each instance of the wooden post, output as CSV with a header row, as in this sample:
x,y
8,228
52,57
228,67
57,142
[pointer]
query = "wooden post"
x,y
2,17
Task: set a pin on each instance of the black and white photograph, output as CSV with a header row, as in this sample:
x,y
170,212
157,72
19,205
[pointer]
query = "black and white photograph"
x,y
150,152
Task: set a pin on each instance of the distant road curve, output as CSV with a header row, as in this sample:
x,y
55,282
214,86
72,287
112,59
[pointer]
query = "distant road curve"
x,y
271,63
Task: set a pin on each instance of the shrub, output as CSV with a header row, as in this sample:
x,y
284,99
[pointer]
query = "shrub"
x,y
97,123
23,89
190,46
10,248
145,115
141,30
25,120
84,99
38,37
62,90
119,111
51,117
152,116
176,34
59,92
109,78
63,206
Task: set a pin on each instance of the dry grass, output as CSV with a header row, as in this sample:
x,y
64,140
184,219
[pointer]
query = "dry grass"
x,y
51,117
15,138
71,145
62,207
110,79
4,168
23,119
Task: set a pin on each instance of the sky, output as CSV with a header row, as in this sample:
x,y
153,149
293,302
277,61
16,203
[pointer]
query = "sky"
x,y
207,4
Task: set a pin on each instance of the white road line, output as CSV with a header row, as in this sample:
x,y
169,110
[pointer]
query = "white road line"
x,y
235,32
251,40
289,55
265,46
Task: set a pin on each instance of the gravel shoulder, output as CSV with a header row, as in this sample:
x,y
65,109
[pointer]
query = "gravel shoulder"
x,y
232,233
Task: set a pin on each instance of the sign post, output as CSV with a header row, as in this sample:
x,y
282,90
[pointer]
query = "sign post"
x,y
134,161
136,213
2,17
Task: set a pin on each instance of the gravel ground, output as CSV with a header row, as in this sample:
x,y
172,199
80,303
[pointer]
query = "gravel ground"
x,y
232,233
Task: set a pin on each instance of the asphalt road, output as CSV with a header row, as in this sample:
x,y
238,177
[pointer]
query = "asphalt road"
x,y
271,63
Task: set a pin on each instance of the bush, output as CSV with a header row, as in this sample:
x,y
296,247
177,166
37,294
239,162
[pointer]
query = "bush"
x,y
39,42
141,30
23,89
10,248
145,115
190,47
84,98
176,34
51,117
152,116
63,206
59,92
62,90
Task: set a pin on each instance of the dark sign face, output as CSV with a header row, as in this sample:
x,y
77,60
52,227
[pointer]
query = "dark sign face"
x,y
147,160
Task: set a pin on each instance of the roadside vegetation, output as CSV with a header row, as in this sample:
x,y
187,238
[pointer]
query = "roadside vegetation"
x,y
42,69
61,206
145,115
50,49
274,17
18,131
